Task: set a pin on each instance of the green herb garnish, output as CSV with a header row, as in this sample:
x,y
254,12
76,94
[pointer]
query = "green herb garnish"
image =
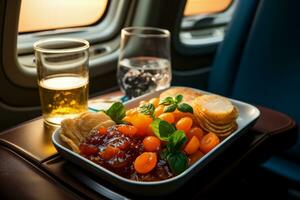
x,y
167,101
162,129
172,103
116,112
184,107
175,139
147,109
178,162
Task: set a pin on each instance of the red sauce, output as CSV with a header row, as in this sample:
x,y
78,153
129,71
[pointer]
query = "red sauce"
x,y
117,152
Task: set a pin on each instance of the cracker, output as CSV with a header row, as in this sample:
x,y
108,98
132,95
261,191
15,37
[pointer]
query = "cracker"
x,y
70,143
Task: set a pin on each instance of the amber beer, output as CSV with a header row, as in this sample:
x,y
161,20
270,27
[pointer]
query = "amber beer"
x,y
63,97
63,77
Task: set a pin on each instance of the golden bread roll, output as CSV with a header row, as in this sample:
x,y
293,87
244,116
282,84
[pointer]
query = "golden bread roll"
x,y
188,94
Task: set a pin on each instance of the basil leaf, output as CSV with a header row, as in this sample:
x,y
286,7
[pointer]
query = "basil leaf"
x,y
116,112
164,153
178,162
166,101
184,107
170,108
147,109
162,129
178,98
176,141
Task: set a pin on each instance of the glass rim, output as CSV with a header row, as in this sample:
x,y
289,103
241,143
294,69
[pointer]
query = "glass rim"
x,y
162,33
85,45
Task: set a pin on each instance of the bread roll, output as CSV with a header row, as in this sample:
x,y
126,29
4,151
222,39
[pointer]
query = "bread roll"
x,y
188,94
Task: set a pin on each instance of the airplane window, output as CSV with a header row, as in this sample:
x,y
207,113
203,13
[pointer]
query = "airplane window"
x,y
97,21
204,21
196,7
37,15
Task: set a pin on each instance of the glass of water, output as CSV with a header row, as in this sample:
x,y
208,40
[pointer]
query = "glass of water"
x,y
144,62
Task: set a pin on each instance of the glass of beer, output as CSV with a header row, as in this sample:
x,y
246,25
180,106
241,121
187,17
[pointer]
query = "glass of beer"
x,y
63,77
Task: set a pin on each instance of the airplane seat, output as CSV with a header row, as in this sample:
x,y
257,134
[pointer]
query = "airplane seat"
x,y
258,63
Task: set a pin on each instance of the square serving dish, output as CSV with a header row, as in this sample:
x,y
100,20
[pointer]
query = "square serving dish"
x,y
248,114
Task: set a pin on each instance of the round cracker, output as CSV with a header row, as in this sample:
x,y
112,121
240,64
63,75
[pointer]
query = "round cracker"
x,y
220,119
212,124
216,108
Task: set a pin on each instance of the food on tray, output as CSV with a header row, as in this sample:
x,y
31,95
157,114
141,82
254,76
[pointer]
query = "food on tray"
x,y
74,131
188,94
158,139
215,114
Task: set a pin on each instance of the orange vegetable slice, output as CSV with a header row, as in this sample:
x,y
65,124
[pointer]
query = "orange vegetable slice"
x,y
141,122
184,124
195,156
127,130
195,131
208,142
159,110
151,143
109,152
145,162
168,117
102,130
192,146
154,101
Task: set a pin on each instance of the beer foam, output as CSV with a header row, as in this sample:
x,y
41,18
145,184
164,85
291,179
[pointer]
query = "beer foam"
x,y
63,82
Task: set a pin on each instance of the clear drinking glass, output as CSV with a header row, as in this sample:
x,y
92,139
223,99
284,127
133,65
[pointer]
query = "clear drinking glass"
x,y
63,77
144,61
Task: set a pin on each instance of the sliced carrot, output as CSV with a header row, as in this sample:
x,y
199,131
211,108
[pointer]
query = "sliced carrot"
x,y
192,146
102,130
109,152
168,117
131,111
195,131
151,143
141,122
208,142
159,110
184,124
88,149
145,162
150,131
154,101
195,156
178,115
127,130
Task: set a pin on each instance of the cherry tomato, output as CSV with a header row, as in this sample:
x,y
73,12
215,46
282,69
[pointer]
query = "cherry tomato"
x,y
109,152
154,101
192,146
168,117
208,142
145,162
195,131
141,122
87,149
102,130
184,124
159,110
151,143
127,130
